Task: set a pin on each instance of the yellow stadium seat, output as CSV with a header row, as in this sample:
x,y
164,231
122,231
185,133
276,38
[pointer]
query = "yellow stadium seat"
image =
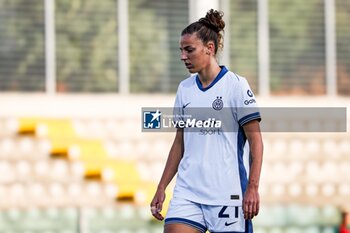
x,y
53,127
26,127
123,173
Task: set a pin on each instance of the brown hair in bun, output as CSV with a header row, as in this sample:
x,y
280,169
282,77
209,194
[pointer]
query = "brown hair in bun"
x,y
208,28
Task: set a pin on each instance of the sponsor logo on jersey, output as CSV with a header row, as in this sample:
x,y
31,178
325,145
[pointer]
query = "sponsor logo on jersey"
x,y
251,101
152,119
218,104
250,93
228,224
185,105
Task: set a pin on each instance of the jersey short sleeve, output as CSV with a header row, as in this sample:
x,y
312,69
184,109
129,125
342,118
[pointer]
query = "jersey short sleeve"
x,y
246,106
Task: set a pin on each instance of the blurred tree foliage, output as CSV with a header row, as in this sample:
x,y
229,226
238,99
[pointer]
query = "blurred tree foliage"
x,y
243,40
155,28
343,46
297,46
149,55
87,41
22,45
87,45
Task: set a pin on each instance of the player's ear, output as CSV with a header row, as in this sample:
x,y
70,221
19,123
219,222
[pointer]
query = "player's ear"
x,y
210,47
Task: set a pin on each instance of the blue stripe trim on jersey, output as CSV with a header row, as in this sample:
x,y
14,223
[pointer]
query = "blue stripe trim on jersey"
x,y
250,117
221,74
187,222
249,226
241,140
227,232
236,76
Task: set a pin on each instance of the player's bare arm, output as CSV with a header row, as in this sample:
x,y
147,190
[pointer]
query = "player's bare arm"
x,y
251,200
174,157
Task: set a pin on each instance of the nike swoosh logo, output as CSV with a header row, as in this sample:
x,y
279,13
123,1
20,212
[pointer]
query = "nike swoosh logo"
x,y
186,105
228,224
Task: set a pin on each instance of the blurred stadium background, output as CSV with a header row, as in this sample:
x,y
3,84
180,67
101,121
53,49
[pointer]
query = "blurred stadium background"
x,y
74,75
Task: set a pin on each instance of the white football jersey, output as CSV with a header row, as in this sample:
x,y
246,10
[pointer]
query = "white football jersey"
x,y
213,170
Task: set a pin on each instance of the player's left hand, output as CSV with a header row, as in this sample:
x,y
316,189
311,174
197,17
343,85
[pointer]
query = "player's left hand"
x,y
251,202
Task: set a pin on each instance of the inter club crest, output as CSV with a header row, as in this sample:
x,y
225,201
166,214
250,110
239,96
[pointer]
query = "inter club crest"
x,y
218,104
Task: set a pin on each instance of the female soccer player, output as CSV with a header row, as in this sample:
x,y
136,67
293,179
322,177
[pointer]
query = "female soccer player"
x,y
214,189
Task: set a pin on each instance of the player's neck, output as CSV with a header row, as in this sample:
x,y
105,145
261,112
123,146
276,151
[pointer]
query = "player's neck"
x,y
207,75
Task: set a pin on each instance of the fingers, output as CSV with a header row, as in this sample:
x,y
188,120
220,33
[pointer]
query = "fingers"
x,y
156,213
159,206
246,209
251,203
253,209
250,209
156,207
257,208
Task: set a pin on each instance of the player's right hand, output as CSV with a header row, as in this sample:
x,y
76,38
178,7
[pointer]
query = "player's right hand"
x,y
157,204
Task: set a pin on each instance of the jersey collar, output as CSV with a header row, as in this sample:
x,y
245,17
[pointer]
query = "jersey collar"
x,y
222,72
